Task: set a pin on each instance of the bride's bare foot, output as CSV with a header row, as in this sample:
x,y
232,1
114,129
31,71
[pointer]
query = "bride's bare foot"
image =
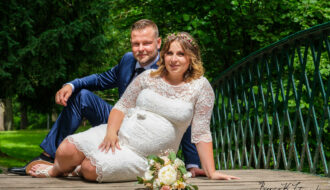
x,y
42,171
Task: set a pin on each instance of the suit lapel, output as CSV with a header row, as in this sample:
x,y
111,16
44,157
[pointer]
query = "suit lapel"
x,y
131,71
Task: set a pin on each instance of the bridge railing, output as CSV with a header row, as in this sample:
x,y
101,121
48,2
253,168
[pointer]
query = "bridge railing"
x,y
272,107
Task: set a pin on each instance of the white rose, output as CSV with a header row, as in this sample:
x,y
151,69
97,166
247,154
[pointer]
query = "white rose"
x,y
167,175
187,175
148,175
178,162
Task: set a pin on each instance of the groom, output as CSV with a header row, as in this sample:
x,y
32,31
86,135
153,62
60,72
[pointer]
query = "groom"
x,y
80,102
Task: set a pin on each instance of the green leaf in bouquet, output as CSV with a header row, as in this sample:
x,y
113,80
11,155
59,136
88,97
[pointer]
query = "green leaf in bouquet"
x,y
191,187
195,187
152,157
172,156
156,159
159,160
140,180
152,168
182,169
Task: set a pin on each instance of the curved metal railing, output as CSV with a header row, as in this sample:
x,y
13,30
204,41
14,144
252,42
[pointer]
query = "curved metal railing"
x,y
272,107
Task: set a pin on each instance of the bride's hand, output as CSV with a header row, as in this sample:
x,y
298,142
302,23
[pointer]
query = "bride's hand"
x,y
221,176
110,140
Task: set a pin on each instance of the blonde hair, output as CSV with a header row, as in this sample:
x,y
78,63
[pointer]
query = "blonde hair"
x,y
144,23
190,47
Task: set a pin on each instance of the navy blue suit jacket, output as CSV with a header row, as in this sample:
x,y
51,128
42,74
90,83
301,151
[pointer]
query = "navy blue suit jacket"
x,y
118,77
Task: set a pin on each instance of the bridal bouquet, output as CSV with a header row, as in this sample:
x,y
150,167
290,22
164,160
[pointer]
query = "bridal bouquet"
x,y
166,173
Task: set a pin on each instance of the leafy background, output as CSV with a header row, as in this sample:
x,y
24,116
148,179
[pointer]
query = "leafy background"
x,y
46,43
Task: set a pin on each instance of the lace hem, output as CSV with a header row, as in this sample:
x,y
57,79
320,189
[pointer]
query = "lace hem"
x,y
121,108
203,138
90,157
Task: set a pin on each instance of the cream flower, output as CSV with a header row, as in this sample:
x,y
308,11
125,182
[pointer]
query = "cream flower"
x,y
156,184
179,185
148,175
151,162
187,175
167,175
178,162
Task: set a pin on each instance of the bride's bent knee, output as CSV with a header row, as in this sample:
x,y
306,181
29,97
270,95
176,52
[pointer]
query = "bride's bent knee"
x,y
88,171
66,149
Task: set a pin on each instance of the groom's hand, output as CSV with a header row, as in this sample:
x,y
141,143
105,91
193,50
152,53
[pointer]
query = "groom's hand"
x,y
63,95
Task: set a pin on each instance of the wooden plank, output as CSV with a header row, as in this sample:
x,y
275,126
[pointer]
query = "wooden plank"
x,y
249,179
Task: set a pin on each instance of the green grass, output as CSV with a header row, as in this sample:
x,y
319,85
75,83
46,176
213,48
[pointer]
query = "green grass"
x,y
19,147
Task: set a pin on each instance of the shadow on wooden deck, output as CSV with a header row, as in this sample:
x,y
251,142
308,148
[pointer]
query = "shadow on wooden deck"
x,y
249,179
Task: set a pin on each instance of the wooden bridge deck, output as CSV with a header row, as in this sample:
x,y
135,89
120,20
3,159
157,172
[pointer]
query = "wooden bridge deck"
x,y
250,179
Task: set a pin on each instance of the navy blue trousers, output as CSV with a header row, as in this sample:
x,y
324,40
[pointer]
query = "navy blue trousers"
x,y
85,104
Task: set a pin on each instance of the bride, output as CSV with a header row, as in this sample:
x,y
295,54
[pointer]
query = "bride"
x,y
150,118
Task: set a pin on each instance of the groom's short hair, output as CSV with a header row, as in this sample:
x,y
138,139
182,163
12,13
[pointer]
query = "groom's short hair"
x,y
144,23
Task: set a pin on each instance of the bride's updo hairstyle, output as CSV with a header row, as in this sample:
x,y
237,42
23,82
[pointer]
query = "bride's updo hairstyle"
x,y
190,48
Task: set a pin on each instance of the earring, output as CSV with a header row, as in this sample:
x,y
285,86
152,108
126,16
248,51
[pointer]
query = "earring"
x,y
190,67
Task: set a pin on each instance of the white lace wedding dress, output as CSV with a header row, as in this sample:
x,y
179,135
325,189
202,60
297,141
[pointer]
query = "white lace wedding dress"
x,y
156,116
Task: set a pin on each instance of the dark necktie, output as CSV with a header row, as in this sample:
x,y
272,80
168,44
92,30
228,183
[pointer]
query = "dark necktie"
x,y
139,70
136,72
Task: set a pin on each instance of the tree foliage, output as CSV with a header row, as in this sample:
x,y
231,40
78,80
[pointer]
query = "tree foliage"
x,y
229,30
44,43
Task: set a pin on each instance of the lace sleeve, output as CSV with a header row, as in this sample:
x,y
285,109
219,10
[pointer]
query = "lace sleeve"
x,y
128,99
200,130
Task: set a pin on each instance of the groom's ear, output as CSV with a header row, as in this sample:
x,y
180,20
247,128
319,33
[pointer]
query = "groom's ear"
x,y
159,43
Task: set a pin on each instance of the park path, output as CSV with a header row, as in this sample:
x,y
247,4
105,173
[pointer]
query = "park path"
x,y
249,179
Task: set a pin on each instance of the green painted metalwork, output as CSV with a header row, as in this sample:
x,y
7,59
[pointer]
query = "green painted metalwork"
x,y
272,107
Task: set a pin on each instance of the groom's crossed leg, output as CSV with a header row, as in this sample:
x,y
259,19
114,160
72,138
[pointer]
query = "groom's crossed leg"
x,y
83,104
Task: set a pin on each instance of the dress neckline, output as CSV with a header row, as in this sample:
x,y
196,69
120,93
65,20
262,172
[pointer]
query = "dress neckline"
x,y
176,86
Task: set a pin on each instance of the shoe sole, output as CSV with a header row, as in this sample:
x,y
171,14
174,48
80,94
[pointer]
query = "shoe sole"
x,y
36,162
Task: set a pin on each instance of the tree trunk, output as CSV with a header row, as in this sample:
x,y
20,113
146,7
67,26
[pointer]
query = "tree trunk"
x,y
2,115
24,118
8,116
54,115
